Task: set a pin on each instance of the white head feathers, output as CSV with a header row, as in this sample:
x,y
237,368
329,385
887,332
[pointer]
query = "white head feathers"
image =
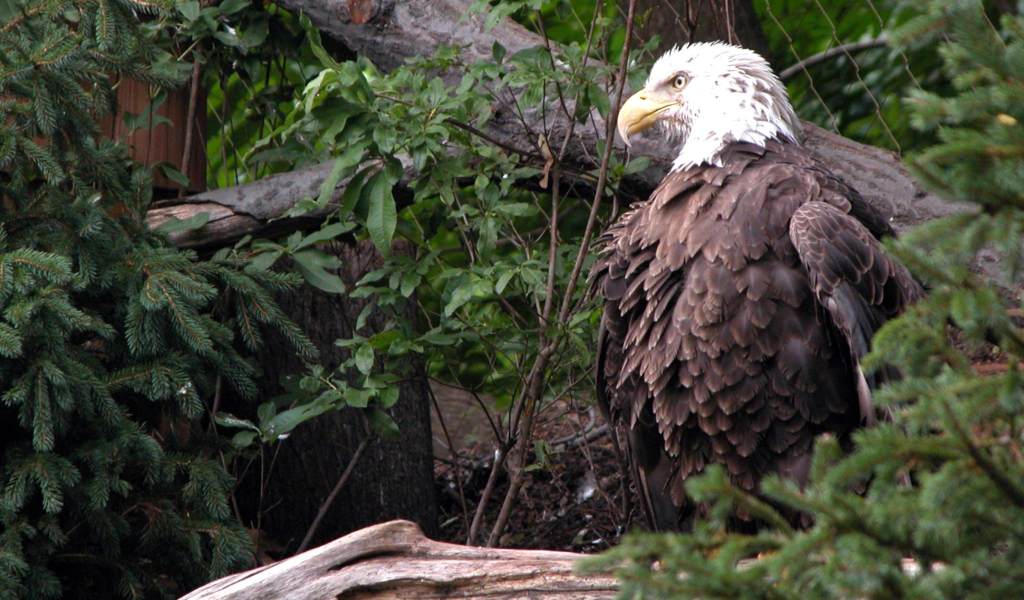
x,y
706,96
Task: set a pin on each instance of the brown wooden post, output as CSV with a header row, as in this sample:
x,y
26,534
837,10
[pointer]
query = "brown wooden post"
x,y
163,142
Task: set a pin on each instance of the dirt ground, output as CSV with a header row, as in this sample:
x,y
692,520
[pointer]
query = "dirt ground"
x,y
573,500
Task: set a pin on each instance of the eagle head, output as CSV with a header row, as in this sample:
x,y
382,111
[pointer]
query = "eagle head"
x,y
706,96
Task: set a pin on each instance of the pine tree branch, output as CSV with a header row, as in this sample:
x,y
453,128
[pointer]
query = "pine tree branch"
x,y
998,475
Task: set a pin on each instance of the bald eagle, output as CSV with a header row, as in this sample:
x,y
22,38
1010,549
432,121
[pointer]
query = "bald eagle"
x,y
740,297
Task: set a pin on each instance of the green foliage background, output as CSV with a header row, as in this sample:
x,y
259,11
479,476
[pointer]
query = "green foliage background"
x,y
113,344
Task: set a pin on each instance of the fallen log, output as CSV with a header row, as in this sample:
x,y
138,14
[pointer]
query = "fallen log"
x,y
395,561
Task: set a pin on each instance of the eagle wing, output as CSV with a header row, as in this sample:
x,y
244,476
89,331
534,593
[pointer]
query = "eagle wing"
x,y
621,394
618,398
853,280
737,298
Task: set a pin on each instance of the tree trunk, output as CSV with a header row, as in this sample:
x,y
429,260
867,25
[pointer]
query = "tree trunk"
x,y
394,561
392,479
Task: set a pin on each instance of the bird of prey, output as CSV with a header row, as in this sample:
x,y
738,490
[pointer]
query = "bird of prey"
x,y
740,297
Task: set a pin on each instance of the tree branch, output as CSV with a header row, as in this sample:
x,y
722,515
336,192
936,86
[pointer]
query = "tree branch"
x,y
844,50
396,31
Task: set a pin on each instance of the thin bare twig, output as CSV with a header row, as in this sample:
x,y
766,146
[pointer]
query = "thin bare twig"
x,y
190,121
522,421
602,179
485,497
451,447
479,401
792,49
589,434
334,493
549,346
843,50
856,70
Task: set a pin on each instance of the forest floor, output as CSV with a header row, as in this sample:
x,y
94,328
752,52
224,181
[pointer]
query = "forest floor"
x,y
573,498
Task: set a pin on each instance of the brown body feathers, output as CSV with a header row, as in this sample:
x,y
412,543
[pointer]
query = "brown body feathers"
x,y
738,301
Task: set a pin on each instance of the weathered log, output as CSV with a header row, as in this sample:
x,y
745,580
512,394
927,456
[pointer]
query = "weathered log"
x,y
388,32
395,561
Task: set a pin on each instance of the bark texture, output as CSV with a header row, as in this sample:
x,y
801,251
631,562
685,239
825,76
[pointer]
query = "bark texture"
x,y
392,479
394,561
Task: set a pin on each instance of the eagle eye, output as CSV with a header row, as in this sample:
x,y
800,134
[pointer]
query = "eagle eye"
x,y
679,81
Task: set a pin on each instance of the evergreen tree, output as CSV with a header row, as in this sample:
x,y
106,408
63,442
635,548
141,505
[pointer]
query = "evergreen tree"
x,y
945,480
112,342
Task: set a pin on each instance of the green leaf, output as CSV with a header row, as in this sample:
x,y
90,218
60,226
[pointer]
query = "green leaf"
x,y
312,94
499,13
503,280
357,398
636,165
636,79
382,215
256,33
517,209
146,120
382,340
600,100
171,172
389,397
310,266
498,52
354,153
353,192
382,423
316,45
228,7
364,359
189,10
465,292
285,421
228,39
436,338
409,283
327,187
330,232
266,412
176,225
264,260
363,315
228,420
244,439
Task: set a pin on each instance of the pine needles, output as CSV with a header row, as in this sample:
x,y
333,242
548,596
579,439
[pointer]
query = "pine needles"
x,y
111,341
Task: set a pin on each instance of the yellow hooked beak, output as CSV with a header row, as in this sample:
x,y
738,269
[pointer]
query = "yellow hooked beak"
x,y
641,112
